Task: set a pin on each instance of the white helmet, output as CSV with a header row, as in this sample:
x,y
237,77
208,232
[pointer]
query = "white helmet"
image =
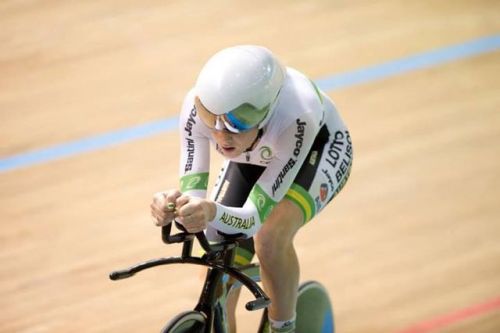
x,y
237,88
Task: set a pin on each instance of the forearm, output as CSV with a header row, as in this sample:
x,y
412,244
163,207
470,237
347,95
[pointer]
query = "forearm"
x,y
234,220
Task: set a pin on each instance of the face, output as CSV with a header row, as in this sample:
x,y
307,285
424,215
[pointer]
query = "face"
x,y
230,144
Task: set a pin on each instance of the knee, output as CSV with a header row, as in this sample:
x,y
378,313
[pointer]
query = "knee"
x,y
270,246
275,238
269,242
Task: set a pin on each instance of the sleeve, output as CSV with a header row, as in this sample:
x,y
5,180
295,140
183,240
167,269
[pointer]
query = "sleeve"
x,y
194,163
293,147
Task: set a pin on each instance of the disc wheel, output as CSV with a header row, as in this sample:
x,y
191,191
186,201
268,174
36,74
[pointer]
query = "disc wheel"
x,y
186,322
314,309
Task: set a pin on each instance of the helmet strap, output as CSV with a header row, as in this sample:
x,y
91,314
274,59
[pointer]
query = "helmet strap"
x,y
257,138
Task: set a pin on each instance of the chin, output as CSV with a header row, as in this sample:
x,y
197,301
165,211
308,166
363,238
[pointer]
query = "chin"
x,y
232,155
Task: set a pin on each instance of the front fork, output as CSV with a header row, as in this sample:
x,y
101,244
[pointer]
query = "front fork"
x,y
212,301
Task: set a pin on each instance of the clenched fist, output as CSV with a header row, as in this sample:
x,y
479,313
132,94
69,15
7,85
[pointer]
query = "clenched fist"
x,y
192,212
163,207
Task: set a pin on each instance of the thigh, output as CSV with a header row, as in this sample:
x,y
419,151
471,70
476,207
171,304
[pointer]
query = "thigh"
x,y
282,224
324,172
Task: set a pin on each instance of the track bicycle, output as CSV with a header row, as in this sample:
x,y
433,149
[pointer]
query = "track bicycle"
x,y
314,310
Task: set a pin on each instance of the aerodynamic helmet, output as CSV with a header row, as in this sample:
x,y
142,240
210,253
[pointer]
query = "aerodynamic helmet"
x,y
238,87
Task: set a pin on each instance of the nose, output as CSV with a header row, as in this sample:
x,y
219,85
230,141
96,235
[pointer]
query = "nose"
x,y
223,136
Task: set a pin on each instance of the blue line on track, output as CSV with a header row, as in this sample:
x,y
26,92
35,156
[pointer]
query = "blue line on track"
x,y
87,144
418,61
330,83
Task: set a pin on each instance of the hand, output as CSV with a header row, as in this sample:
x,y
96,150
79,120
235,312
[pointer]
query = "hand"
x,y
163,207
195,213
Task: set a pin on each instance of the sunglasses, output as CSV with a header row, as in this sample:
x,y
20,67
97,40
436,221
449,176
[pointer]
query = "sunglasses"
x,y
241,119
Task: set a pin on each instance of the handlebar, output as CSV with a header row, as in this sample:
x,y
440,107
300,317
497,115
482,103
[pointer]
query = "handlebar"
x,y
177,238
259,303
212,251
230,242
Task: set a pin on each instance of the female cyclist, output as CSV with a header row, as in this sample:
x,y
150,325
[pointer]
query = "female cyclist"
x,y
287,154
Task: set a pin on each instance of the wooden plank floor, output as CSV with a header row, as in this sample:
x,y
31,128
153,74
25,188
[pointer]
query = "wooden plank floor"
x,y
413,238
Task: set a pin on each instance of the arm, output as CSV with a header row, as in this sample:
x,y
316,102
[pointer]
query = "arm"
x,y
193,165
195,151
293,147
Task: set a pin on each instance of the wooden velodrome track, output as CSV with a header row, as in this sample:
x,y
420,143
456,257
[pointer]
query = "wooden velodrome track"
x,y
411,244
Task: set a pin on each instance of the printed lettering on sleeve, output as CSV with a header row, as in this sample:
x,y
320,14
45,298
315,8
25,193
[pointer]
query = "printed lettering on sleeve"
x,y
190,147
299,140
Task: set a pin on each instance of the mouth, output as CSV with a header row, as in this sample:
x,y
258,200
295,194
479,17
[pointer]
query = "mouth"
x,y
227,149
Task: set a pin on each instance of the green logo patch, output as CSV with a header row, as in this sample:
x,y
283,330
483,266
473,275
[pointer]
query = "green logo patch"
x,y
197,181
262,201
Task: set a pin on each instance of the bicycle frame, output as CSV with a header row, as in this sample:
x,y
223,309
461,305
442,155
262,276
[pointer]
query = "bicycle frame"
x,y
216,290
221,279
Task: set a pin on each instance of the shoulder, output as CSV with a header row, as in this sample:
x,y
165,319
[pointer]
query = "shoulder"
x,y
188,104
298,101
300,91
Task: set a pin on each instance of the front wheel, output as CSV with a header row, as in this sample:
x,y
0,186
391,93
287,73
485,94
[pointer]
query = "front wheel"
x,y
186,322
314,309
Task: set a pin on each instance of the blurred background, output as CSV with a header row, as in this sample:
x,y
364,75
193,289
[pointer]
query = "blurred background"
x,y
89,97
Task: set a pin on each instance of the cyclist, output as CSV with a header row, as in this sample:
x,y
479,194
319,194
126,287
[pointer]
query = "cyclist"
x,y
287,154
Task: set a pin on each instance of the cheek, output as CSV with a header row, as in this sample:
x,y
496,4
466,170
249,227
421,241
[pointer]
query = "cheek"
x,y
217,137
250,138
240,141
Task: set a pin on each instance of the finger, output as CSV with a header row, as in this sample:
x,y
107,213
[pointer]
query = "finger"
x,y
171,196
163,217
182,222
181,201
160,214
195,223
187,205
195,227
157,220
158,199
154,219
186,210
187,220
154,213
170,199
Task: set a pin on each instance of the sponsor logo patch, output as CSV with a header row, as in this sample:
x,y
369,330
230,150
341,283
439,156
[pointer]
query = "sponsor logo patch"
x,y
266,154
323,192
